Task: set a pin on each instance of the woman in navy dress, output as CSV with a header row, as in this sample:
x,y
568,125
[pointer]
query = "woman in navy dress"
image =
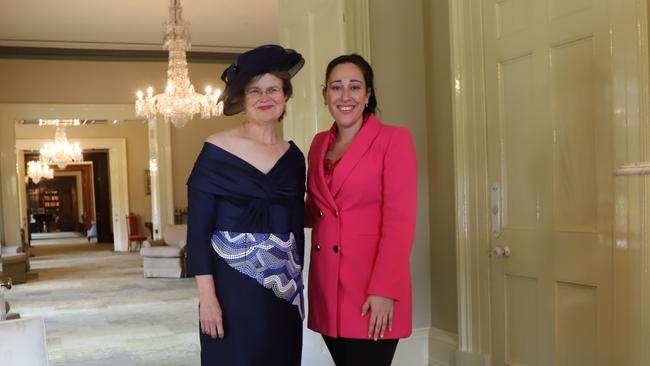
x,y
245,229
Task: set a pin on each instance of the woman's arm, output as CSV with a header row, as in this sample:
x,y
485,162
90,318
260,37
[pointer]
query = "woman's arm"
x,y
200,225
399,204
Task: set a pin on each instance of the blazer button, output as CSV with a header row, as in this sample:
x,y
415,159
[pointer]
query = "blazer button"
x,y
336,213
336,249
320,213
318,247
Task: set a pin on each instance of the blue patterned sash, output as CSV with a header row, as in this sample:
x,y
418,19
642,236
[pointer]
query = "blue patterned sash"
x,y
271,259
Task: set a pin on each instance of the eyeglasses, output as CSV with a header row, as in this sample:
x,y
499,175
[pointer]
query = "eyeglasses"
x,y
257,93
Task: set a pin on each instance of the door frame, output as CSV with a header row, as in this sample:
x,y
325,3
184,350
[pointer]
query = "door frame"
x,y
11,112
632,143
470,173
118,179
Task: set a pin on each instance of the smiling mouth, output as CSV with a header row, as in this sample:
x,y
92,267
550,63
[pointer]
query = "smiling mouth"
x,y
345,108
265,107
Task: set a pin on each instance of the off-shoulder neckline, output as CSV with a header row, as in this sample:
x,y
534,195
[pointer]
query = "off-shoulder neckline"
x,y
292,145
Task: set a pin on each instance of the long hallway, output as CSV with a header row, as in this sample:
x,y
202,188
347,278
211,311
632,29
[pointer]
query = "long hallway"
x,y
99,310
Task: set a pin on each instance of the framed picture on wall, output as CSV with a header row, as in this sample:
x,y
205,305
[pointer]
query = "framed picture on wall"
x,y
147,182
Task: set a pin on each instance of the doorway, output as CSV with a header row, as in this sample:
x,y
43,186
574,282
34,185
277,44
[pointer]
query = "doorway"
x,y
61,209
102,193
111,154
74,204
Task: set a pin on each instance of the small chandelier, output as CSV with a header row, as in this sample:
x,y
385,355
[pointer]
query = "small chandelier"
x,y
179,103
60,152
37,170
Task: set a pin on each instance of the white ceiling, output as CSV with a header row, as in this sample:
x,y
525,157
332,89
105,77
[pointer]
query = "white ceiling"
x,y
215,25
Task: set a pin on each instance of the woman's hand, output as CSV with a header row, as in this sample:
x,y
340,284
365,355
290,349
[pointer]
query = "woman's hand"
x,y
381,315
210,317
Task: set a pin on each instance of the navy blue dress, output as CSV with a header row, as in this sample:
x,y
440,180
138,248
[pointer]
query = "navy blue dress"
x,y
246,229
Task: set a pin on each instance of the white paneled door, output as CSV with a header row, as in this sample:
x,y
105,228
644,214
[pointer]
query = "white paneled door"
x,y
548,84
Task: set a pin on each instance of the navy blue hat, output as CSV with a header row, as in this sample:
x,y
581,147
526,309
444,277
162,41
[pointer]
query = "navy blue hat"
x,y
258,61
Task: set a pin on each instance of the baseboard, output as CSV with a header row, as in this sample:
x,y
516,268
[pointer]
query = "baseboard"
x,y
464,358
442,347
414,350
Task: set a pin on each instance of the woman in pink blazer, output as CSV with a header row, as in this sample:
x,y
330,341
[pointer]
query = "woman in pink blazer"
x,y
361,204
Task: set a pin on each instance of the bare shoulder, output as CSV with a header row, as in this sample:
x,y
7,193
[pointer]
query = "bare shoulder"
x,y
223,139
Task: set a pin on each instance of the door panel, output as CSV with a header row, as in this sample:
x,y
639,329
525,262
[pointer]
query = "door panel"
x,y
547,82
521,327
516,87
576,190
577,324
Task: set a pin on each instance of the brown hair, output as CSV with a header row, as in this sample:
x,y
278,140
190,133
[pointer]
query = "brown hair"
x,y
287,88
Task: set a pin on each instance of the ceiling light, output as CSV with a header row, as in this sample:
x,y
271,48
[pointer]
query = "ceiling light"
x,y
60,152
179,103
37,170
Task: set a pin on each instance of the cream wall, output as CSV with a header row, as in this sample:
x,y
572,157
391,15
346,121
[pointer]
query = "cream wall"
x,y
444,311
108,82
91,82
397,58
137,150
186,145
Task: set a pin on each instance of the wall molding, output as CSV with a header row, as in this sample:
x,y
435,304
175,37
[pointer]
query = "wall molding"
x,y
470,166
356,20
414,350
117,48
10,113
442,347
161,170
118,173
644,97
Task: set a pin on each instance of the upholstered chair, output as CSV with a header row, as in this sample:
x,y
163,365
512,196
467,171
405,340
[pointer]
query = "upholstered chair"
x,y
14,263
166,257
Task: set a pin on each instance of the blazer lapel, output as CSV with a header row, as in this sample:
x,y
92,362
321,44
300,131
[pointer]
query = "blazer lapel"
x,y
355,152
319,158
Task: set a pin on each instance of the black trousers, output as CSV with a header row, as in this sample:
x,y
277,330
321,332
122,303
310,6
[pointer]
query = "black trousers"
x,y
357,352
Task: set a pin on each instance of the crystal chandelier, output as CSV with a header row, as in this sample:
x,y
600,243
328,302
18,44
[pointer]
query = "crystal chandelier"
x,y
37,170
179,103
60,152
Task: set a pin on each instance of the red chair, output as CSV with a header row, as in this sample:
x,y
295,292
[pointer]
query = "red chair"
x,y
134,235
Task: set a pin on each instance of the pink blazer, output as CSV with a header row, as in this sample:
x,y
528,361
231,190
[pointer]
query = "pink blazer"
x,y
363,230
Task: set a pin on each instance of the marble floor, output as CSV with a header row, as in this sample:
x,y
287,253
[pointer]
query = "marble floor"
x,y
99,310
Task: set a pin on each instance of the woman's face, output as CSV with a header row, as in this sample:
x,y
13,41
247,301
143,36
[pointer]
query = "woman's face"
x,y
346,94
264,99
